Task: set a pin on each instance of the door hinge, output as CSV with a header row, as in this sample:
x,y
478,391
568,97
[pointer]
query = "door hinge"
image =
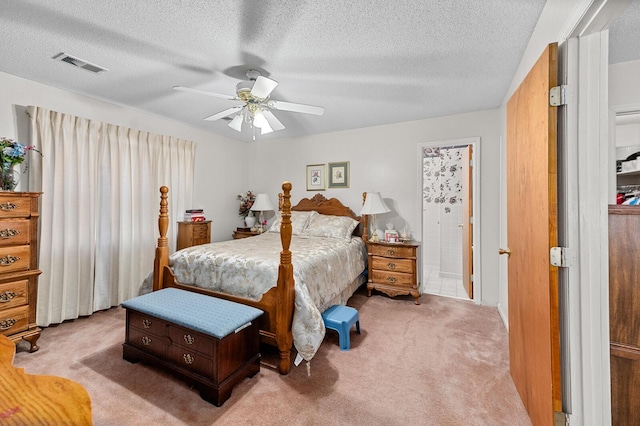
x,y
558,95
471,277
562,256
471,220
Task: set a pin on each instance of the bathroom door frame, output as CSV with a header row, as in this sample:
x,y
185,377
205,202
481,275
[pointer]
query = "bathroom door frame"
x,y
474,142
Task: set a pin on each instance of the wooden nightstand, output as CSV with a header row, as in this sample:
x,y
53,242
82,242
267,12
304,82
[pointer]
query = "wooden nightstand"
x,y
393,268
193,234
244,234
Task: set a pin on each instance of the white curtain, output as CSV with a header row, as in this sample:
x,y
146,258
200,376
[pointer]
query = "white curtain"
x,y
99,209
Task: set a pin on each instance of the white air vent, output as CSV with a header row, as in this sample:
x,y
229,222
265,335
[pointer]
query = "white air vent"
x,y
80,63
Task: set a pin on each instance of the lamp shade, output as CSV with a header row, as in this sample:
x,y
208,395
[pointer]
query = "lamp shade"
x,y
374,204
262,203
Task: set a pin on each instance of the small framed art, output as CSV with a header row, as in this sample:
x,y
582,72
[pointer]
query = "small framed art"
x,y
339,175
391,236
316,177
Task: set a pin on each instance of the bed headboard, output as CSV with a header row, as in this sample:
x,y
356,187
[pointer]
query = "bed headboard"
x,y
331,206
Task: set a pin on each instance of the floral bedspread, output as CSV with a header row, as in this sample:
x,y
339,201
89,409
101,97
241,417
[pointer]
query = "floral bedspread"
x,y
248,267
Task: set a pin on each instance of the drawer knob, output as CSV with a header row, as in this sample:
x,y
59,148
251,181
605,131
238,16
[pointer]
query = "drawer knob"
x,y
188,339
6,324
391,265
391,252
8,260
391,279
188,358
146,323
8,233
146,340
8,206
7,296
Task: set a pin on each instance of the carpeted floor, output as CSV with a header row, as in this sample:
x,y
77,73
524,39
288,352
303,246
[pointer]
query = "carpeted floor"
x,y
444,362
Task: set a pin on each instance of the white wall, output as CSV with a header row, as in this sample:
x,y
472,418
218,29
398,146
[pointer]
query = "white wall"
x,y
624,86
218,179
386,159
383,158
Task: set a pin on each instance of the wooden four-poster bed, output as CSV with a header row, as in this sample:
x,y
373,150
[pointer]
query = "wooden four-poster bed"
x,y
278,303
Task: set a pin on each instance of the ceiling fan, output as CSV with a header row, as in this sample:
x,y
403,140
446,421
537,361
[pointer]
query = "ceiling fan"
x,y
256,110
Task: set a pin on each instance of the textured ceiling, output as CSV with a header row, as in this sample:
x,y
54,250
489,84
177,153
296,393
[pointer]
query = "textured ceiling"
x,y
366,62
624,35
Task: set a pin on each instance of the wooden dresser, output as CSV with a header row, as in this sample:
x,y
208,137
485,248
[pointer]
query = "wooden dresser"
x,y
393,268
193,234
624,313
19,271
238,234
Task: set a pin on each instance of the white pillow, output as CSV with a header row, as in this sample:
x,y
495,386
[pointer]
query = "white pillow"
x,y
322,225
299,221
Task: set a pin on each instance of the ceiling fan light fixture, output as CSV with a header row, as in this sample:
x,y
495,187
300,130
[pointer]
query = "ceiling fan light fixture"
x,y
259,120
236,123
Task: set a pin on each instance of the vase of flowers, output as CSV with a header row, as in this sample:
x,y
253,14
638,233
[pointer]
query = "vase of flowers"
x,y
12,153
246,201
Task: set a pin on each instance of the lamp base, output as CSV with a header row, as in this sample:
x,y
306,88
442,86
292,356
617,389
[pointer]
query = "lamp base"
x,y
374,238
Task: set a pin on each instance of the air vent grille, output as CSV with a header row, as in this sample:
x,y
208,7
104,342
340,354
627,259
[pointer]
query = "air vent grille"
x,y
80,63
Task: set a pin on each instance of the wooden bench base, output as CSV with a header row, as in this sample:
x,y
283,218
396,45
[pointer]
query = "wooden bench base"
x,y
214,365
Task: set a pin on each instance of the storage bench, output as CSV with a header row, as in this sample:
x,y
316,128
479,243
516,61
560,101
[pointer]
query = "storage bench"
x,y
211,343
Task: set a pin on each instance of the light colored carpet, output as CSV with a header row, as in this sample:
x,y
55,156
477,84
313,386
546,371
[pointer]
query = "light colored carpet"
x,y
444,362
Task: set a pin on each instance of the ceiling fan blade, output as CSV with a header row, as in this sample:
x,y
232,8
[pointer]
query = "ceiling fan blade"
x,y
227,112
263,87
206,93
273,120
288,106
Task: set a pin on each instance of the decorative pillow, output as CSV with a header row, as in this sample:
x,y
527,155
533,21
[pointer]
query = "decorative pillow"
x,y
299,221
322,225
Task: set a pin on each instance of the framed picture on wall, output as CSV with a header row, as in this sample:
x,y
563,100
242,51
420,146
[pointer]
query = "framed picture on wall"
x,y
316,177
339,175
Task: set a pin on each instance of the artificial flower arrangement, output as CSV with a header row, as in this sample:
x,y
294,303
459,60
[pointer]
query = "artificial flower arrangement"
x,y
246,201
11,153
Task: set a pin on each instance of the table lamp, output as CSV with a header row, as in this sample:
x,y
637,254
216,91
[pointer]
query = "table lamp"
x,y
373,205
261,204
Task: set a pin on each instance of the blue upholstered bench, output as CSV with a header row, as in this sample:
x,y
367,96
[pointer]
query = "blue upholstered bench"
x,y
341,318
210,342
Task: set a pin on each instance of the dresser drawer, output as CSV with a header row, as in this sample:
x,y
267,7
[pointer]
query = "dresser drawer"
x,y
392,251
393,278
393,264
147,341
14,258
191,360
14,320
14,232
200,230
14,294
14,206
146,323
191,340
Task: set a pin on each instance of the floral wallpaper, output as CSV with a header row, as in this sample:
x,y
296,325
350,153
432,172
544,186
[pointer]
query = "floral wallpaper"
x,y
442,168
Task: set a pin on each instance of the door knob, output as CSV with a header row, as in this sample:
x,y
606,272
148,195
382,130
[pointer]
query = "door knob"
x,y
505,251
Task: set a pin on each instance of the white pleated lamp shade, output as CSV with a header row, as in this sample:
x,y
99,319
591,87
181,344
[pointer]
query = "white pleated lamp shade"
x,y
262,203
374,204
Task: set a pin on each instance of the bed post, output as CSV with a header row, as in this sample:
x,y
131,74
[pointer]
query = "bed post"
x,y
162,250
285,287
365,221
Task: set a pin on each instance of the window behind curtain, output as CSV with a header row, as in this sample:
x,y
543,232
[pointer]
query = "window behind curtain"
x,y
99,208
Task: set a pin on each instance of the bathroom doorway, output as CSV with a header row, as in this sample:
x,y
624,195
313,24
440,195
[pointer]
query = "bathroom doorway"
x,y
447,200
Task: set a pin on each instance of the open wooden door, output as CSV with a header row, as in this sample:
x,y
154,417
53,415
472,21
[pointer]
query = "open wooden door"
x,y
467,223
532,229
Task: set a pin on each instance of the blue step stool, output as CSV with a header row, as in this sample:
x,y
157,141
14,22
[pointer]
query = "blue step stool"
x,y
341,318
